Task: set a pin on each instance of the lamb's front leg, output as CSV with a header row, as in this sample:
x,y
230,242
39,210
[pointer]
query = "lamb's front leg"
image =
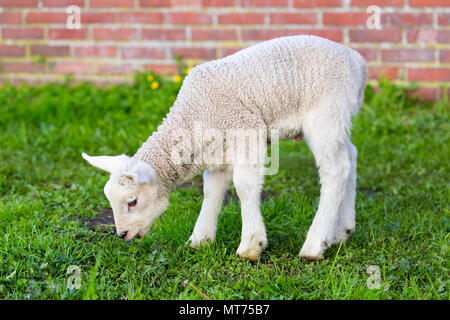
x,y
248,182
215,184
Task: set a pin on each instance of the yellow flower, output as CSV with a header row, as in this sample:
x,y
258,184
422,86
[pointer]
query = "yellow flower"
x,y
187,70
150,78
154,85
178,78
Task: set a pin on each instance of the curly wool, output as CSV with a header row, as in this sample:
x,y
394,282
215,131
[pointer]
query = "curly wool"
x,y
265,86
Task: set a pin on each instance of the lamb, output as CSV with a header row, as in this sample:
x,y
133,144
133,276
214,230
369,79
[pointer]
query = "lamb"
x,y
295,85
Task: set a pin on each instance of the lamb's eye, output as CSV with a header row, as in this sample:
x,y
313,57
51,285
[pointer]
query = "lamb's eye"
x,y
132,203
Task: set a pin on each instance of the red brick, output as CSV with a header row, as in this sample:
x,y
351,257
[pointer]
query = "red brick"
x,y
11,51
95,51
443,36
195,53
46,51
188,3
370,54
141,17
444,56
376,72
345,18
46,17
98,17
444,19
228,51
18,3
189,18
202,35
406,19
428,94
112,3
260,35
264,3
163,34
429,74
56,34
23,33
293,18
316,3
428,36
115,34
375,35
407,55
22,67
162,68
155,3
241,18
421,35
70,67
35,81
381,3
63,3
428,3
218,3
143,53
10,18
114,69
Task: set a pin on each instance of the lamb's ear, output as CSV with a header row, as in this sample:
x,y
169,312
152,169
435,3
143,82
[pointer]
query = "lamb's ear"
x,y
141,173
107,163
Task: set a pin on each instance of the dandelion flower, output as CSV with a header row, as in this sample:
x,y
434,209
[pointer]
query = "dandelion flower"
x,y
154,85
178,78
150,78
187,70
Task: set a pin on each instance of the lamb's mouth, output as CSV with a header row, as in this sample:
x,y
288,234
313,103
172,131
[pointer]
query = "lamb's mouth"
x,y
139,236
143,232
130,237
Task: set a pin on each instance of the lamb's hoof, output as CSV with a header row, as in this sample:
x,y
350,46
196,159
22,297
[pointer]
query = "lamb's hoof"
x,y
313,251
309,259
252,249
197,242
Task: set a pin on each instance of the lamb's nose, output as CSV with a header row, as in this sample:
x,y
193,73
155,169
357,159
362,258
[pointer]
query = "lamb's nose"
x,y
122,235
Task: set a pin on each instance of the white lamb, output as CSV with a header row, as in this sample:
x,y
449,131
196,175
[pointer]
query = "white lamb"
x,y
298,85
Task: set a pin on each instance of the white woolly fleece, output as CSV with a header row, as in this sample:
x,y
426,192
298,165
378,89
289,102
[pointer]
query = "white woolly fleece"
x,y
264,86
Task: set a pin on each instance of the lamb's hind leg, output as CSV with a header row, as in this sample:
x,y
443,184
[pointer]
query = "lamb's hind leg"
x,y
346,224
333,158
215,184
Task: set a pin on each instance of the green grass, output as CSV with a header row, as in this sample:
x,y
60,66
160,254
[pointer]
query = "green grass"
x,y
46,190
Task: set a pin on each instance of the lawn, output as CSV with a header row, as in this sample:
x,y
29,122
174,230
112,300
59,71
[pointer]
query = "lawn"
x,y
53,213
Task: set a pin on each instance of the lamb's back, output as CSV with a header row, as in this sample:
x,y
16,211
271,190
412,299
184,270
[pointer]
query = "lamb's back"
x,y
277,77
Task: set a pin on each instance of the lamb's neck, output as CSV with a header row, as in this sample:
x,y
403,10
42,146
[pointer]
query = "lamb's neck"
x,y
158,152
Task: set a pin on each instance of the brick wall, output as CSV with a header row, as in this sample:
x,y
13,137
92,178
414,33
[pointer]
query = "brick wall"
x,y
119,36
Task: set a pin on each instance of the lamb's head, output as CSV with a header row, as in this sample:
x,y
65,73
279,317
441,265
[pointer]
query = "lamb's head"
x,y
133,190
